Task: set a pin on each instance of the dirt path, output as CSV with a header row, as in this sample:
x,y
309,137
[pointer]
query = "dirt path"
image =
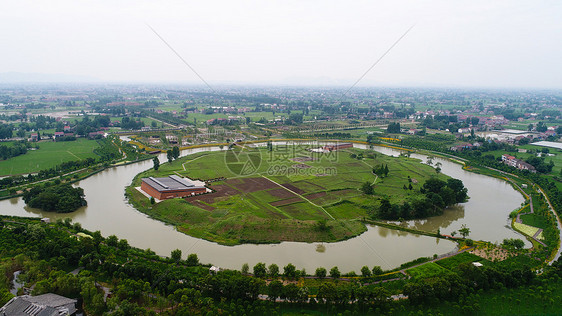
x,y
302,197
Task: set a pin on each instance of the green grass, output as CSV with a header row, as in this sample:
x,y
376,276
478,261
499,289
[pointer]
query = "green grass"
x,y
427,270
453,262
537,299
534,220
49,155
263,215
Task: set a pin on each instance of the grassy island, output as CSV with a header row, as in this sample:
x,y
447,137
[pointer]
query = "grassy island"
x,y
285,193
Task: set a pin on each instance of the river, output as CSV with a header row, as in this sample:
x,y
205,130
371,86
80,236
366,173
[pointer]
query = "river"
x,y
485,214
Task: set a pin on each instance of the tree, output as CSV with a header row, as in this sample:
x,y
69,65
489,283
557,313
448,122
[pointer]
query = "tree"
x,y
123,245
464,231
152,200
169,155
156,163
393,128
429,160
192,260
366,188
365,271
176,255
259,270
112,241
175,152
377,270
320,273
245,268
289,270
273,270
274,290
335,272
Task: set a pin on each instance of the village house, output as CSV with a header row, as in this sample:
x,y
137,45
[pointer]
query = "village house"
x,y
517,163
58,135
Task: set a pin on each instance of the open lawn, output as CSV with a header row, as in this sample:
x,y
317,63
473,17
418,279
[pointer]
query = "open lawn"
x,y
48,155
453,262
283,194
427,270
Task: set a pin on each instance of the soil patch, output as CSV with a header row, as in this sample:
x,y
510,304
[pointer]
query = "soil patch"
x,y
492,254
286,202
221,190
281,193
293,188
248,185
301,166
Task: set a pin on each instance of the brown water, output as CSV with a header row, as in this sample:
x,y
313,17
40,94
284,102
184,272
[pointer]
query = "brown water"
x,y
485,214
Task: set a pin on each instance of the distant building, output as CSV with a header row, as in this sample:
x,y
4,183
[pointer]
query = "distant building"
x,y
462,147
58,135
517,163
93,135
41,305
34,137
170,187
338,146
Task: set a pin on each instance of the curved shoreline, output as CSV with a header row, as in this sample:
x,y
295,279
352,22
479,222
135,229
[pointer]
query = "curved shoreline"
x,y
131,192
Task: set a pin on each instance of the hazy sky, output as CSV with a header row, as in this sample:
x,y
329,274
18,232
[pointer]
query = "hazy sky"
x,y
454,43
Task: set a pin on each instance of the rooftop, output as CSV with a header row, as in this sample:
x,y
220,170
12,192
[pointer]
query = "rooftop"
x,y
172,182
41,305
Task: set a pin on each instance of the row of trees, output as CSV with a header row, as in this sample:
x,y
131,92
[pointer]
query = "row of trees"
x,y
107,152
140,280
13,150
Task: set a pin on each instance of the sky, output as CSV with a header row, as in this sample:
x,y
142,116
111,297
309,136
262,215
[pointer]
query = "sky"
x,y
499,44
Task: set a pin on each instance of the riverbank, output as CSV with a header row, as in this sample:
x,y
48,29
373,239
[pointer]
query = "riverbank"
x,y
270,207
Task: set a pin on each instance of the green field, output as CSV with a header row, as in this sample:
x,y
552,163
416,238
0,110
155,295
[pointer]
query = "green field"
x,y
271,196
427,270
48,155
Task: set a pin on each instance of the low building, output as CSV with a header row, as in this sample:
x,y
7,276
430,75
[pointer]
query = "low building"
x,y
45,305
170,187
509,160
338,146
517,163
462,147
